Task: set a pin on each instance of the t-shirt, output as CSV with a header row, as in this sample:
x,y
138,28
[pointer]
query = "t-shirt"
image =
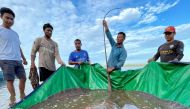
x,y
170,51
9,45
79,56
47,50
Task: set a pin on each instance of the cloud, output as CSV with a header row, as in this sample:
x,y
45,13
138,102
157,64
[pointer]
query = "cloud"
x,y
139,15
128,15
149,12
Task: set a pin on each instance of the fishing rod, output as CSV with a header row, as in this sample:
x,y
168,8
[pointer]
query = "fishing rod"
x,y
109,81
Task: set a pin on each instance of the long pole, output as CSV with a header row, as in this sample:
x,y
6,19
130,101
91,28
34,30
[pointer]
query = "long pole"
x,y
109,81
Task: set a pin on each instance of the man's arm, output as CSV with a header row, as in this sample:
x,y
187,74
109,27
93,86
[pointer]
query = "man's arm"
x,y
74,63
23,57
88,59
57,56
156,56
71,60
108,34
35,48
179,51
121,62
122,59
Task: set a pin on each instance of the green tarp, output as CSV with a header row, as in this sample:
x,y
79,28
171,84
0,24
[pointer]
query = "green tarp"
x,y
163,80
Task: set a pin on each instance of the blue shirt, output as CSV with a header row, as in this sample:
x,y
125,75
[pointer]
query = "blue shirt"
x,y
9,45
79,56
118,55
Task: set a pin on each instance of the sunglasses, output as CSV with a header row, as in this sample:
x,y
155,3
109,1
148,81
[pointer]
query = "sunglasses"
x,y
168,33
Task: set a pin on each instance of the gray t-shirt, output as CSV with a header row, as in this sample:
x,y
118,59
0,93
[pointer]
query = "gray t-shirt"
x,y
48,50
9,45
170,51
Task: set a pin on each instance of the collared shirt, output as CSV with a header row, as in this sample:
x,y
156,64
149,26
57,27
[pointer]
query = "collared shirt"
x,y
48,50
118,54
9,45
79,56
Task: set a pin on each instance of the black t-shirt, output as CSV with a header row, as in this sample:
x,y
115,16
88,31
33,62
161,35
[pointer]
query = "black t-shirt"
x,y
170,51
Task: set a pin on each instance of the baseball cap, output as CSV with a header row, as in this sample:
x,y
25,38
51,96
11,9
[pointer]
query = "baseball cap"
x,y
170,29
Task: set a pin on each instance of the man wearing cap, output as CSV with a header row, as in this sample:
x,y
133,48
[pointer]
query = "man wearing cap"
x,y
170,51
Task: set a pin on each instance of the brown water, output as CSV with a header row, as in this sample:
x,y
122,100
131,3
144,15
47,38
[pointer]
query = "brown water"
x,y
100,99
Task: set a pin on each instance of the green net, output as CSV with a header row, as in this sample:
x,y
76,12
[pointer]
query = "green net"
x,y
163,80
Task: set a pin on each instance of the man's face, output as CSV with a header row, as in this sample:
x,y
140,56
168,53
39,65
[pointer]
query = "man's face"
x,y
48,32
8,20
78,45
169,36
120,38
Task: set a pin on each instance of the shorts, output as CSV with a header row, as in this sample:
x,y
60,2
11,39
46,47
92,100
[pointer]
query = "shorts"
x,y
44,73
12,68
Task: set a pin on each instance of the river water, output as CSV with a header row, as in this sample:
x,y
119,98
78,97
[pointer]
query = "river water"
x,y
4,94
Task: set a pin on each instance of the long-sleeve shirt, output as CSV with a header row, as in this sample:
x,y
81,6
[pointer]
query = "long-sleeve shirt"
x,y
170,51
118,54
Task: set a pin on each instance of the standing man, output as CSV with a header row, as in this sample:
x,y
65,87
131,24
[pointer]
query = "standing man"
x,y
78,56
10,55
118,53
48,52
172,50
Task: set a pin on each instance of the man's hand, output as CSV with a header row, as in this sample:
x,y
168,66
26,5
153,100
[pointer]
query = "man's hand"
x,y
105,24
25,62
110,69
80,62
62,63
175,60
32,65
150,60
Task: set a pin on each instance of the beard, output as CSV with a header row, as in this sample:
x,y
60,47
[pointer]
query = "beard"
x,y
48,36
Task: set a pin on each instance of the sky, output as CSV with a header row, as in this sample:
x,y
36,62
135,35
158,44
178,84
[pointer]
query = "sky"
x,y
143,21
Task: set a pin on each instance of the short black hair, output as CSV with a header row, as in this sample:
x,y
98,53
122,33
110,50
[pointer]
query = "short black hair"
x,y
122,34
4,10
78,40
47,25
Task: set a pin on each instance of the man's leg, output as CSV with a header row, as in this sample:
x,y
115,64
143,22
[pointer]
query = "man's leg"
x,y
11,89
22,87
20,73
8,67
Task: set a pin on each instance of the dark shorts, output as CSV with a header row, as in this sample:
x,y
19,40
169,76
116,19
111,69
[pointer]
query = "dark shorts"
x,y
44,73
11,69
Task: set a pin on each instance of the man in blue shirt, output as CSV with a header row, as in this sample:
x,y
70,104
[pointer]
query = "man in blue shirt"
x,y
78,56
118,53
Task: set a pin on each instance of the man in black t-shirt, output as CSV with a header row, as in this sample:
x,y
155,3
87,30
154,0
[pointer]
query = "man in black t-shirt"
x,y
170,51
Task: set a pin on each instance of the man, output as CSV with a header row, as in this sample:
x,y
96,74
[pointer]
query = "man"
x,y
48,52
78,56
10,55
118,53
170,51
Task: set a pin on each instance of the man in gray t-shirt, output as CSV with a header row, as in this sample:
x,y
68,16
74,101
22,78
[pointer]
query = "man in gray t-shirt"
x,y
10,55
172,50
48,52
